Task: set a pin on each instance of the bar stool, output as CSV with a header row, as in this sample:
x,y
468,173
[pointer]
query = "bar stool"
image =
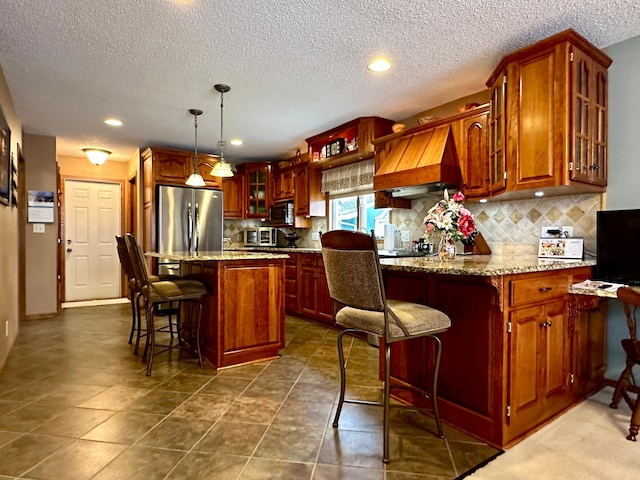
x,y
629,297
355,284
135,293
163,291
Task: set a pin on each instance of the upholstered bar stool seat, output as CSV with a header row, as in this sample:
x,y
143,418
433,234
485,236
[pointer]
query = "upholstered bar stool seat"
x,y
135,293
167,291
355,284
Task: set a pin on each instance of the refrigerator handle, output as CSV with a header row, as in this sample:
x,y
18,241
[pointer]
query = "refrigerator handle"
x,y
197,224
189,227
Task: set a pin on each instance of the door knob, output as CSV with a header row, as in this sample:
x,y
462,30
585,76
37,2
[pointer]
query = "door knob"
x,y
68,242
69,250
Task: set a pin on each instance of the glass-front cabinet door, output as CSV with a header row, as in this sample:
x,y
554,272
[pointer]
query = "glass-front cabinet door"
x,y
497,124
258,192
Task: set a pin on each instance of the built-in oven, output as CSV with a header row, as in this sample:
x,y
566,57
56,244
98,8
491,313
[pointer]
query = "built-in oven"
x,y
261,237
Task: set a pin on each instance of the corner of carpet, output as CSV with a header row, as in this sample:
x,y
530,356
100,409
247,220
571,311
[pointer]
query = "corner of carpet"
x,y
479,466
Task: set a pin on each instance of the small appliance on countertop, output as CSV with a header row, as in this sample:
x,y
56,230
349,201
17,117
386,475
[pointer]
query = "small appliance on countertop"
x,y
291,239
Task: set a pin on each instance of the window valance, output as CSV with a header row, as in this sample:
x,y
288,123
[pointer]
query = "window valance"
x,y
355,176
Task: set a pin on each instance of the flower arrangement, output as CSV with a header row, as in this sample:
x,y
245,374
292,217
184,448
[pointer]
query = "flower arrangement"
x,y
451,220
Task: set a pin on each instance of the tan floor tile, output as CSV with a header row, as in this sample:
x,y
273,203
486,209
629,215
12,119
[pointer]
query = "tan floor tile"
x,y
29,417
232,438
115,398
252,410
340,472
123,427
206,466
290,442
26,451
78,461
141,463
352,448
263,469
176,433
203,406
74,422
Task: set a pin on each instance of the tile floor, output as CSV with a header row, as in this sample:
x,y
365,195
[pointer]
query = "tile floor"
x,y
75,404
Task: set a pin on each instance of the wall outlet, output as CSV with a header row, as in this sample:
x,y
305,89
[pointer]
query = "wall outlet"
x,y
315,236
567,232
405,235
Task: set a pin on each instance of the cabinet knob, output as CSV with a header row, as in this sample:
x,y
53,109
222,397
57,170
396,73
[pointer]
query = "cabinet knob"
x,y
544,289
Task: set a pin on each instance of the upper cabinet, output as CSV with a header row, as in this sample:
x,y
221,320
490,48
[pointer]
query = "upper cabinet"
x,y
173,167
257,190
347,143
548,118
233,194
470,134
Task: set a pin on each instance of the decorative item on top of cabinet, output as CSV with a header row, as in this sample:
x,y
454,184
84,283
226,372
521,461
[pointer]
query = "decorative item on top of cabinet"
x,y
548,118
347,143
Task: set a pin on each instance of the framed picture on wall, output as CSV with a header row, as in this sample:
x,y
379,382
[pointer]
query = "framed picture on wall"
x,y
5,161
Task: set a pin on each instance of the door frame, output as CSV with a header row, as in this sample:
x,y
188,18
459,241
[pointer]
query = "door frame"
x,y
61,225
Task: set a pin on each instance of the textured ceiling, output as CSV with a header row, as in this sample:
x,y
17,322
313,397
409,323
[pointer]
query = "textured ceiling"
x,y
295,67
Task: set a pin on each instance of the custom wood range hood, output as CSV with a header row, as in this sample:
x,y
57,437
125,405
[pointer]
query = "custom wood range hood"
x,y
416,162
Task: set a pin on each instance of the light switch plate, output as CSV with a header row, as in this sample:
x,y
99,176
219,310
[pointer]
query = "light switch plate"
x,y
405,235
38,228
315,236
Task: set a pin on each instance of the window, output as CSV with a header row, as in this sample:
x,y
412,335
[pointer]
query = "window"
x,y
357,212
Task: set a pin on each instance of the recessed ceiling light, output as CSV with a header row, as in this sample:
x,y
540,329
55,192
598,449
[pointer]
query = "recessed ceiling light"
x,y
236,141
379,65
113,122
539,194
483,200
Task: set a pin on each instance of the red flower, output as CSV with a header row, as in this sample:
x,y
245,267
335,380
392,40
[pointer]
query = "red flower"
x,y
458,197
466,225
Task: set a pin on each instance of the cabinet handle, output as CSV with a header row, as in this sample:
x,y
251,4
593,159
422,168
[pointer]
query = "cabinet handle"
x,y
594,167
546,324
545,289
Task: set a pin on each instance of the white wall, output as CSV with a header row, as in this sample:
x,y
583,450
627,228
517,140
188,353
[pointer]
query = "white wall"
x,y
624,165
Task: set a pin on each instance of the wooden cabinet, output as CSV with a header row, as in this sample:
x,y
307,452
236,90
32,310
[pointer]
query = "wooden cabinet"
x,y
353,139
283,183
257,190
291,283
313,291
471,137
513,358
549,117
538,351
234,195
164,166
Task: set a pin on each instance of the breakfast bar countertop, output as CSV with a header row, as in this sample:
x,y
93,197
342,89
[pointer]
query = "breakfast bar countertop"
x,y
481,265
225,255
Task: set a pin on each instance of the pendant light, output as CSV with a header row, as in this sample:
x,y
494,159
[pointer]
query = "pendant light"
x,y
97,156
222,168
195,179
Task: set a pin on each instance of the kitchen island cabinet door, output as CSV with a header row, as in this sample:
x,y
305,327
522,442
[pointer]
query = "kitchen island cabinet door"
x,y
539,364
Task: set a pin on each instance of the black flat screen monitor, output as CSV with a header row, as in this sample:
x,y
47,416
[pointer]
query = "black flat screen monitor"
x,y
618,246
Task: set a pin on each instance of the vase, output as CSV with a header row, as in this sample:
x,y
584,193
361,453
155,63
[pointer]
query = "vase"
x,y
447,248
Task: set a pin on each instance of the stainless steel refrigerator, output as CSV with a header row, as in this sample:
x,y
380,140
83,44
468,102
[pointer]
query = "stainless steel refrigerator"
x,y
188,220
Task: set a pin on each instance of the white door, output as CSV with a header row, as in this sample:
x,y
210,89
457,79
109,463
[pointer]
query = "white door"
x,y
92,220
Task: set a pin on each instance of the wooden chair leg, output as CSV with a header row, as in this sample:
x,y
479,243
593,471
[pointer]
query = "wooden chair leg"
x,y
634,426
621,386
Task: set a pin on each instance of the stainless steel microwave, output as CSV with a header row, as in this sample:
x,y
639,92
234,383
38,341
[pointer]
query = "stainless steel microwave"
x,y
260,237
281,213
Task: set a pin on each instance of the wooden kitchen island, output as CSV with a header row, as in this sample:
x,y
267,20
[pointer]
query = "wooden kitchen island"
x,y
514,357
243,315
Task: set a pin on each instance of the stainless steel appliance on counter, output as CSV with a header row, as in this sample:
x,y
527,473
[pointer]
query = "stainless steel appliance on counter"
x,y
188,220
261,237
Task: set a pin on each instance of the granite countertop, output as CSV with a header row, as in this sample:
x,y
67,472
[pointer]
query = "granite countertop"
x,y
482,265
276,249
226,255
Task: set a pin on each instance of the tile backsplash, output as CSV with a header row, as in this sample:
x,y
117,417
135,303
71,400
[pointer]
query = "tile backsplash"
x,y
509,227
513,227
